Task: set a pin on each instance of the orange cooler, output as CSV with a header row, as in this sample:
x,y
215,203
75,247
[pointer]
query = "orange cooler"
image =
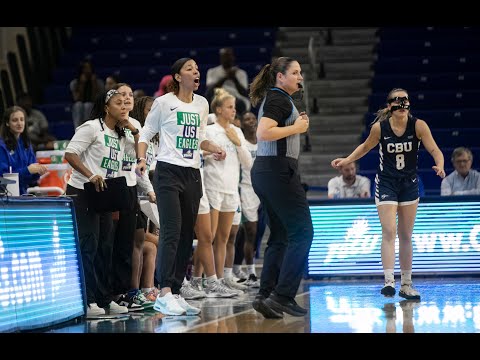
x,y
59,170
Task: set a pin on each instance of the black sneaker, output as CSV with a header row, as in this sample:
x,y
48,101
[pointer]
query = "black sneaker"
x,y
125,300
289,306
388,290
259,304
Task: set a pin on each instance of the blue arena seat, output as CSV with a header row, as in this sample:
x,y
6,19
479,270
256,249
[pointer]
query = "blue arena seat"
x,y
63,75
163,56
432,99
439,119
417,64
57,112
57,94
440,46
62,130
141,56
421,82
427,33
137,40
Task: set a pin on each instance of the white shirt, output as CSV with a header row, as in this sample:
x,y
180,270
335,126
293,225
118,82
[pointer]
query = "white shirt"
x,y
181,127
339,189
224,176
245,177
100,151
218,72
129,161
456,184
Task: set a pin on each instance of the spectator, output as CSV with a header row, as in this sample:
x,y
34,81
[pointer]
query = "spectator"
x,y
230,77
16,152
139,93
348,184
37,124
111,81
464,180
163,85
85,87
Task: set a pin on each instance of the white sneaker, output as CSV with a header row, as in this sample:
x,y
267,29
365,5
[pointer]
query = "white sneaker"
x,y
168,305
408,292
231,285
241,275
216,289
94,310
190,310
188,291
114,308
253,281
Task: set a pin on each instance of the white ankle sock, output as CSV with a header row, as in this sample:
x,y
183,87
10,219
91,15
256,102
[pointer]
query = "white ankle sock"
x,y
251,269
406,277
389,275
227,273
211,279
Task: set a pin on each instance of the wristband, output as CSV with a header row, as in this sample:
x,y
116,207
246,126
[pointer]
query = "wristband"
x,y
91,177
135,132
140,159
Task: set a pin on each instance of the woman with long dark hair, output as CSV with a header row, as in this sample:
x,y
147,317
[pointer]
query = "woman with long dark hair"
x,y
16,151
180,118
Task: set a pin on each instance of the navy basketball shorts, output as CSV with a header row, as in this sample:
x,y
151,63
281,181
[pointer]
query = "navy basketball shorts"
x,y
396,191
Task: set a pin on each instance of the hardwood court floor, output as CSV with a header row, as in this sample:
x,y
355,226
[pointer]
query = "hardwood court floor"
x,y
448,305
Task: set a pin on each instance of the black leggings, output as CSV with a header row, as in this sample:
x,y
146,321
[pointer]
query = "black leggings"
x,y
178,190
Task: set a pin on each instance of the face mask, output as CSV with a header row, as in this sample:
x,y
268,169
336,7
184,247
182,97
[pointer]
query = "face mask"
x,y
404,103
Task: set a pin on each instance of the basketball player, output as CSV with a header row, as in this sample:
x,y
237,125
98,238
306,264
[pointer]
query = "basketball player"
x,y
396,183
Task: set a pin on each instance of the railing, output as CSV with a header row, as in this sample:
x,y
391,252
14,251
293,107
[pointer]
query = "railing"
x,y
312,58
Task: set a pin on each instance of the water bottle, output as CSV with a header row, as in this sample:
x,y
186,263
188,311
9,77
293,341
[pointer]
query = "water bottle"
x,y
336,194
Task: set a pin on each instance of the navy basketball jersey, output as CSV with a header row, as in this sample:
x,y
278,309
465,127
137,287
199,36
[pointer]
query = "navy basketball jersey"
x,y
398,154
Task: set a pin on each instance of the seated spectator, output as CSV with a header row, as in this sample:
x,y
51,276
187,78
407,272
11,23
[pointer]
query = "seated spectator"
x,y
349,184
37,124
464,180
111,81
163,86
230,77
85,87
16,152
137,94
